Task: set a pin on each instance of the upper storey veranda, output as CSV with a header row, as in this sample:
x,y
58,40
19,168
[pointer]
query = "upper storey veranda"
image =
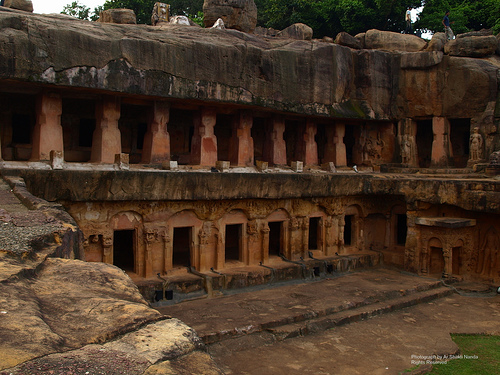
x,y
231,67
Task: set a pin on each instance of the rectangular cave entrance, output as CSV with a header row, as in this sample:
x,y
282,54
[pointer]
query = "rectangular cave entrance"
x,y
459,138
425,137
223,131
401,229
314,233
349,142
181,254
348,229
233,242
275,243
123,249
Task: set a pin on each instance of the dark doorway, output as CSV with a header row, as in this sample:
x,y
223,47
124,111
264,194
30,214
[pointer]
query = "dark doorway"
x,y
348,229
349,141
223,131
425,137
123,249
456,260
181,131
314,232
275,243
459,138
86,132
259,136
181,252
291,137
233,242
321,141
401,228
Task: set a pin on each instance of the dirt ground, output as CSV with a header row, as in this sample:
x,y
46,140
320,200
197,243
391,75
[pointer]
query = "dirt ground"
x,y
386,344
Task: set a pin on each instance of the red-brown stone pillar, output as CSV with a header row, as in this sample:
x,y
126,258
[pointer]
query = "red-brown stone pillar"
x,y
275,145
204,143
48,133
309,146
335,150
441,145
106,141
241,143
156,147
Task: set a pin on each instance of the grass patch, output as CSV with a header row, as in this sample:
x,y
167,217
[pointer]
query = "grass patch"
x,y
479,354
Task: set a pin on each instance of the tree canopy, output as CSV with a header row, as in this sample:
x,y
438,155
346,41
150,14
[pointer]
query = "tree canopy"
x,y
329,17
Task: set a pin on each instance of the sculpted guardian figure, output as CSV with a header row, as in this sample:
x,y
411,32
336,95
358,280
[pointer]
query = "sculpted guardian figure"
x,y
476,145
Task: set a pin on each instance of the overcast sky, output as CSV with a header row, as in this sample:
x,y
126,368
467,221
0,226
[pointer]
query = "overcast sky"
x,y
56,6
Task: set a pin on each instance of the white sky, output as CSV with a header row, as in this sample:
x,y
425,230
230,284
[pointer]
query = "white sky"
x,y
56,6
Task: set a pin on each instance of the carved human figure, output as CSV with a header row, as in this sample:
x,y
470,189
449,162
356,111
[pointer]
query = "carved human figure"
x,y
476,145
490,249
406,150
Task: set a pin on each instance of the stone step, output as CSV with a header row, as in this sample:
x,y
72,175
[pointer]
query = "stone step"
x,y
311,321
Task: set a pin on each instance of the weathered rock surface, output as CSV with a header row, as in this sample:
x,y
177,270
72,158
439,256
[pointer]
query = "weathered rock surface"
x,y
120,16
437,42
297,31
389,41
236,14
420,60
345,39
498,47
25,5
482,32
472,46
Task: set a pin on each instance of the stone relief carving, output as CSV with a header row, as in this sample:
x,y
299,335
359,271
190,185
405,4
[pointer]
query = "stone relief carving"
x,y
476,145
488,261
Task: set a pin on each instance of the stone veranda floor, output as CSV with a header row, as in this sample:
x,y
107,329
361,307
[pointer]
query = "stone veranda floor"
x,y
385,343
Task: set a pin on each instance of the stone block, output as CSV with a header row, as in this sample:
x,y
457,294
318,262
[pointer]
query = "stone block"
x,y
297,31
56,159
297,166
262,165
170,165
222,166
329,167
26,5
236,14
472,46
120,16
122,162
345,39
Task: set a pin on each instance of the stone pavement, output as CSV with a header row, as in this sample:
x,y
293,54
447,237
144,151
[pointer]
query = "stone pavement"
x,y
286,329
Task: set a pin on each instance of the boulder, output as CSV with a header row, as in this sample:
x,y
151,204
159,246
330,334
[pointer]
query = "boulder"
x,y
472,46
297,31
482,32
120,16
498,47
361,38
345,39
437,42
25,5
180,20
420,60
236,14
262,31
391,41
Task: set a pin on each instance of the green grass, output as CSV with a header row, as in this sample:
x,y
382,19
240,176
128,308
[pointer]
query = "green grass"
x,y
485,348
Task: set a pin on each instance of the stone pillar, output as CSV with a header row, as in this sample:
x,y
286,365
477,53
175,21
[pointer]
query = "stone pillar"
x,y
275,145
241,149
389,235
265,242
329,248
107,249
295,239
156,149
335,150
48,133
412,254
167,250
309,147
441,145
448,263
305,236
106,141
341,241
201,264
204,143
407,139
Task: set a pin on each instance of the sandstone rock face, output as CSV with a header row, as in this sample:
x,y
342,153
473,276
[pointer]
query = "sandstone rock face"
x,y
236,14
420,60
437,42
482,32
26,5
389,41
472,46
297,31
498,48
120,16
344,39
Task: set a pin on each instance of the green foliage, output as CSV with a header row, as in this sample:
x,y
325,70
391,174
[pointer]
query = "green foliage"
x,y
188,8
75,9
467,15
484,347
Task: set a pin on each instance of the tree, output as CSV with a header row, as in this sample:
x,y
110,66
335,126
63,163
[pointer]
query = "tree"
x,y
75,9
467,15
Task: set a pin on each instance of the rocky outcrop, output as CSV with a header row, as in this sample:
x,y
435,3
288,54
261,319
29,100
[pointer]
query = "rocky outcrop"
x,y
437,42
389,41
236,14
472,46
345,39
297,31
482,32
25,5
120,16
420,60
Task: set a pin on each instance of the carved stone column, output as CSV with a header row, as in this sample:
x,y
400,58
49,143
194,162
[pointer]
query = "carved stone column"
x,y
448,263
413,243
305,236
156,148
204,142
341,241
407,139
265,242
107,249
106,142
295,240
203,236
275,145
167,250
309,146
335,150
48,133
150,237
441,145
241,151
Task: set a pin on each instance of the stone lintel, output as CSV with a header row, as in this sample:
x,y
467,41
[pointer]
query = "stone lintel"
x,y
445,222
